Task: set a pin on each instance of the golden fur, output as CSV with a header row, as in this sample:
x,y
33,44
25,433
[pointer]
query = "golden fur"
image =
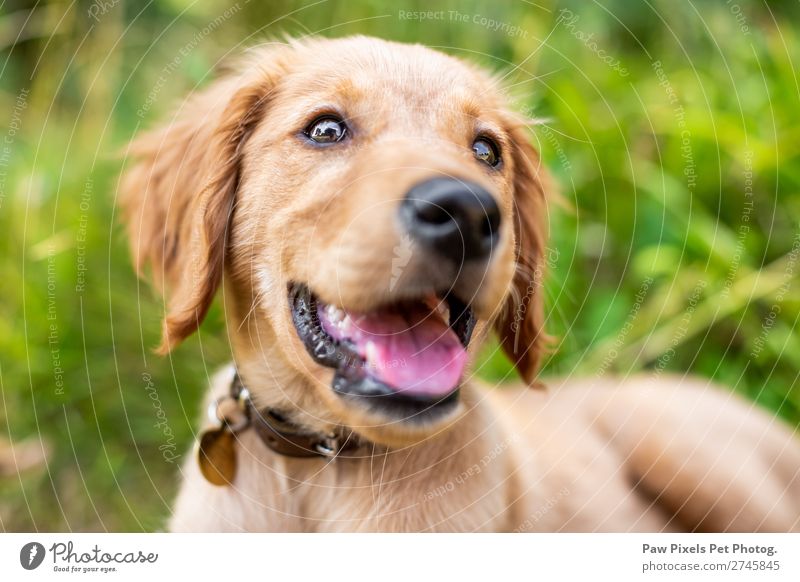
x,y
225,194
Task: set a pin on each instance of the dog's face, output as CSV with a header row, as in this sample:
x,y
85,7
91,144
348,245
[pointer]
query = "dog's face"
x,y
372,206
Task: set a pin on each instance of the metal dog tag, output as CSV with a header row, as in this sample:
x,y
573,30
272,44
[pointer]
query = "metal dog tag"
x,y
216,449
216,456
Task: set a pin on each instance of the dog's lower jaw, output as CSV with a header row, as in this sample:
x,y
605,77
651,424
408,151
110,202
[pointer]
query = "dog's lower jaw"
x,y
336,413
405,433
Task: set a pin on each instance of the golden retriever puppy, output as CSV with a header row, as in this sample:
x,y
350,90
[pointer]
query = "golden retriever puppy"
x,y
371,211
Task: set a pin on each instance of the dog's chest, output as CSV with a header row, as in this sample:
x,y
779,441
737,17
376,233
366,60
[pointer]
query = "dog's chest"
x,y
398,491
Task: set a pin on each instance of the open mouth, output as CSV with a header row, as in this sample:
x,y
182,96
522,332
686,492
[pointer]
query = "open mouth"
x,y
404,358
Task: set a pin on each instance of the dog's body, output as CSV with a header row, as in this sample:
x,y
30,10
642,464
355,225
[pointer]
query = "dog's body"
x,y
373,211
674,454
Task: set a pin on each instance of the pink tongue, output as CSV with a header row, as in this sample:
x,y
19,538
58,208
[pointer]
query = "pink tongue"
x,y
407,347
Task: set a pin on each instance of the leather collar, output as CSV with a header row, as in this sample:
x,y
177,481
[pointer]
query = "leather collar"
x,y
284,437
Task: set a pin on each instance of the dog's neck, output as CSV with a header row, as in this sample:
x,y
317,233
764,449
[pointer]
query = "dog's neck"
x,y
279,432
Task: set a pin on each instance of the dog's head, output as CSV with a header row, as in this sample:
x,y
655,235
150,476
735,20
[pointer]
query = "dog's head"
x,y
369,207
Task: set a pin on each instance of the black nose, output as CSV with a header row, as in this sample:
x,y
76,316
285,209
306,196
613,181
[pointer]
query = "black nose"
x,y
457,219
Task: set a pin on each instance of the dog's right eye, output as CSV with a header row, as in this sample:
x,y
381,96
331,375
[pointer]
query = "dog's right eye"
x,y
325,130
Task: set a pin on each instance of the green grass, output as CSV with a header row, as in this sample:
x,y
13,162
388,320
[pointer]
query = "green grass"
x,y
715,267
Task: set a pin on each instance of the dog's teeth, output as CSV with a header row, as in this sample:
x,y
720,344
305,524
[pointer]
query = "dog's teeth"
x,y
443,310
345,324
334,314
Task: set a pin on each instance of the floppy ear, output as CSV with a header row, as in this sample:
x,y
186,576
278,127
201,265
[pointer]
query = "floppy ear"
x,y
178,198
520,327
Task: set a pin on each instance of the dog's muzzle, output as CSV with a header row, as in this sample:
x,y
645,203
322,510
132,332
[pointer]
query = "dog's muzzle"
x,y
404,359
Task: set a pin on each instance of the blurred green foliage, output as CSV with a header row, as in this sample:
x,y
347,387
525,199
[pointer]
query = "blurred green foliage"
x,y
672,129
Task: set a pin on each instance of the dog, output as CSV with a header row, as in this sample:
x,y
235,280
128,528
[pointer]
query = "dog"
x,y
370,213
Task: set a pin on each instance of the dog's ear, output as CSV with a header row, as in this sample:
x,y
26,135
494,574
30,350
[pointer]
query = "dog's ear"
x,y
520,328
179,196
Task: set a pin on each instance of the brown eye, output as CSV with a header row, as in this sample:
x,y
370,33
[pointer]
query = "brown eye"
x,y
486,151
326,130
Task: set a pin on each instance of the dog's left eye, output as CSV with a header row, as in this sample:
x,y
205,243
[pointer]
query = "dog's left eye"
x,y
486,151
325,130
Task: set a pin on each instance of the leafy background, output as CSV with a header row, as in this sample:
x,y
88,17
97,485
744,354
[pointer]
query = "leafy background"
x,y
662,259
